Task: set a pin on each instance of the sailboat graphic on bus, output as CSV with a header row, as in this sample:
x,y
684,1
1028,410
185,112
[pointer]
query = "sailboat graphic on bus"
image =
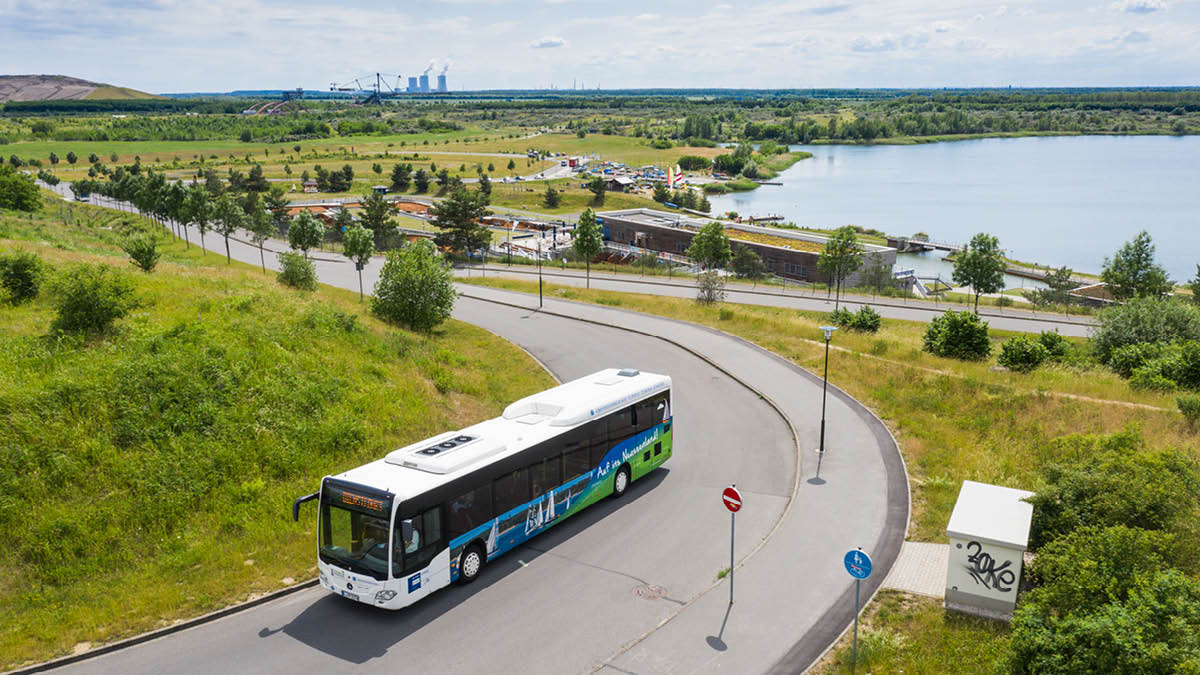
x,y
540,515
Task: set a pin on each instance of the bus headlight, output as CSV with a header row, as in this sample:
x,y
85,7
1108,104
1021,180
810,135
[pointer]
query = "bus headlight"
x,y
384,596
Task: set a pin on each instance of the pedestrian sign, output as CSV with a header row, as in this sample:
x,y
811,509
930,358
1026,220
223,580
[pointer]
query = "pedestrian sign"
x,y
858,564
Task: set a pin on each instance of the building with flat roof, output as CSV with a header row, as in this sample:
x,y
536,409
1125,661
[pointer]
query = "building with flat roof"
x,y
786,253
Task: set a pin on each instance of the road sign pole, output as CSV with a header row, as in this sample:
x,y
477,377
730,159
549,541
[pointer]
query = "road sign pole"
x,y
732,517
854,652
733,501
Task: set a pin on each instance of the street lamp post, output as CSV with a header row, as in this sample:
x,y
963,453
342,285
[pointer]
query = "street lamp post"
x,y
539,261
828,331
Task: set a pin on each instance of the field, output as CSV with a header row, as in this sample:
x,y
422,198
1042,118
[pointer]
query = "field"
x,y
162,457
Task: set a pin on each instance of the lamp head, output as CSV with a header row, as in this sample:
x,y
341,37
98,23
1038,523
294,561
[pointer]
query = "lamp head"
x,y
828,330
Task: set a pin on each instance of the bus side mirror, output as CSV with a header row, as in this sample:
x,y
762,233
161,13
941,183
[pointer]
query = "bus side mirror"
x,y
296,504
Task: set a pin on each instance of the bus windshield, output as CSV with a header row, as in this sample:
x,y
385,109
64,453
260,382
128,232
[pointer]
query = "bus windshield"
x,y
355,541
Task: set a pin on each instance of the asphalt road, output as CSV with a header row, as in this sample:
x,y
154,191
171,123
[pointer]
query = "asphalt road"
x,y
1022,320
574,600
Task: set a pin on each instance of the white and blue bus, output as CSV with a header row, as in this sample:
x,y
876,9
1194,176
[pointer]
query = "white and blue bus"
x,y
393,531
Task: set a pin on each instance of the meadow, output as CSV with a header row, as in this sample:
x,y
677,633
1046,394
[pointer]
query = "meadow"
x,y
148,472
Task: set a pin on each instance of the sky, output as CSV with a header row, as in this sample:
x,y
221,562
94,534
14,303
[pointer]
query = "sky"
x,y
222,45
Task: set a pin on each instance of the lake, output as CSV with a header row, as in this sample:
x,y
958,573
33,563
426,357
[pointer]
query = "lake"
x,y
1051,200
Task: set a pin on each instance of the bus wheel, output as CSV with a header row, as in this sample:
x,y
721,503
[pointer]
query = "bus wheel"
x,y
470,564
621,481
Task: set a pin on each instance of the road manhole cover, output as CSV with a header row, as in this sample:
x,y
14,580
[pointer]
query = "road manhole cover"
x,y
649,592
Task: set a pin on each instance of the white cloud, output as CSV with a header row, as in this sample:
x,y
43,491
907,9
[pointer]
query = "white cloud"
x,y
1132,36
944,26
548,42
1139,6
873,43
970,44
646,17
1000,11
914,40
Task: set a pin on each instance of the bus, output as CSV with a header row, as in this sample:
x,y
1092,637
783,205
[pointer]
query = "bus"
x,y
436,512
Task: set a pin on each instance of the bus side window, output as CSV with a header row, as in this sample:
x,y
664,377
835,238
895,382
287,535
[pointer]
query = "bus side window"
x,y
553,469
622,424
510,491
645,415
575,464
469,510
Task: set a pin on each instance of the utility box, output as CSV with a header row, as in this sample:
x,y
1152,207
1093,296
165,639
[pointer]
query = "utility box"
x,y
989,532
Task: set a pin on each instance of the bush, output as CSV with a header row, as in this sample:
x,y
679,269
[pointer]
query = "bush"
x,y
694,163
21,274
1022,354
1004,301
1189,406
1145,320
715,188
866,319
1112,480
1107,606
710,288
414,288
1056,345
142,251
90,297
660,144
959,335
1128,358
297,271
1150,378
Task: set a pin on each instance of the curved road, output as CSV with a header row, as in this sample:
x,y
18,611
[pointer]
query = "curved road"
x,y
631,585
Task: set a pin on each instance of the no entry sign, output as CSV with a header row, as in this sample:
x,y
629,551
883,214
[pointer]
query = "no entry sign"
x,y
732,499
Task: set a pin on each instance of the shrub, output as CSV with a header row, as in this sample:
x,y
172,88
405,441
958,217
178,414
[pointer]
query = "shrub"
x,y
710,288
90,297
297,271
1107,605
1189,406
660,144
1022,353
21,274
1150,378
959,335
1056,345
1112,480
715,188
142,251
414,288
1145,320
1127,358
1004,301
865,319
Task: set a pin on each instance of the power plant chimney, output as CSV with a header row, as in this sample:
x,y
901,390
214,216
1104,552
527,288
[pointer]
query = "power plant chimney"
x,y
441,83
425,83
412,85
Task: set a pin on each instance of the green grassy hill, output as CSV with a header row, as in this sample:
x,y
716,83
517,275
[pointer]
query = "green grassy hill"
x,y
147,475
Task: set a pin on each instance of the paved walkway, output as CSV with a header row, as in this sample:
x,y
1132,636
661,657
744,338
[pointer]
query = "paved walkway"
x,y
920,569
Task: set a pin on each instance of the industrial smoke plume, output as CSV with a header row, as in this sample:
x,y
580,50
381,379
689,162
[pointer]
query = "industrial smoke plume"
x,y
446,66
429,67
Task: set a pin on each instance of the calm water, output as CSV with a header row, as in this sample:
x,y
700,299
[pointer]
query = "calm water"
x,y
1061,201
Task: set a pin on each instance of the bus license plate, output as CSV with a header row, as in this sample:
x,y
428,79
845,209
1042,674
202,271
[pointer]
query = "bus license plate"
x,y
349,595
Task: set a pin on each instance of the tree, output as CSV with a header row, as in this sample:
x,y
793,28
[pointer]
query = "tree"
x,y
491,167
1194,286
457,216
93,158
485,186
229,217
710,246
53,159
421,181
72,157
376,216
552,198
306,232
747,265
511,165
377,168
1132,273
277,203
840,256
443,178
197,211
598,188
358,245
1058,288
142,250
415,288
661,193
255,181
18,191
41,128
259,224
588,240
981,266
401,177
